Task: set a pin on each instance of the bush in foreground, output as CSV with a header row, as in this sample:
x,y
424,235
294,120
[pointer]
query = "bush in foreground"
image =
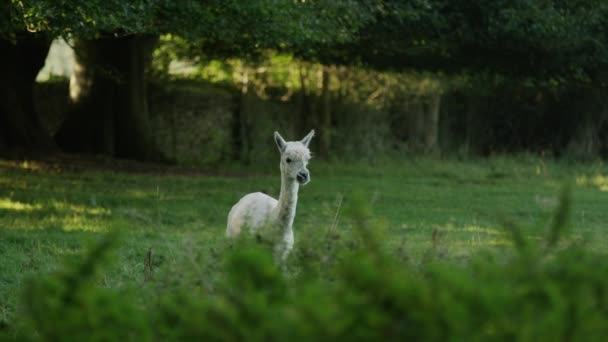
x,y
346,289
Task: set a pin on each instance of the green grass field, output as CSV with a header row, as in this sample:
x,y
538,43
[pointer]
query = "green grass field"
x,y
48,215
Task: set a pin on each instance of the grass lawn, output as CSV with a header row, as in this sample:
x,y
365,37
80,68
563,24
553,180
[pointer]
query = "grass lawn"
x,y
49,214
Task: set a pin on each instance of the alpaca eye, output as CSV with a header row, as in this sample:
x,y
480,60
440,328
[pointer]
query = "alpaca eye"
x,y
288,160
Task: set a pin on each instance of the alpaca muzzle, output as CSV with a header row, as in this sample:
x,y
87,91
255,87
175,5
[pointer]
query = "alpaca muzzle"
x,y
303,177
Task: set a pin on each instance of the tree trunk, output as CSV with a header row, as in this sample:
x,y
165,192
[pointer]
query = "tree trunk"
x,y
415,119
20,125
431,124
424,124
585,140
240,123
109,100
299,121
325,115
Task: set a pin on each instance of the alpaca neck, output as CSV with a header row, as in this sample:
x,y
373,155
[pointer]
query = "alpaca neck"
x,y
288,200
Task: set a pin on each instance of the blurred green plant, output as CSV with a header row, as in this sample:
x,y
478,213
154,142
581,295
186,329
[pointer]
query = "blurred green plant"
x,y
550,292
69,305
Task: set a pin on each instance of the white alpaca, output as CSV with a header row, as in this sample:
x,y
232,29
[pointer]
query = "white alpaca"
x,y
257,210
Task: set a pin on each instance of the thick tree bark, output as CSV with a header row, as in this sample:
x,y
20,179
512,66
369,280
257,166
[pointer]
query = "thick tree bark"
x,y
20,62
109,101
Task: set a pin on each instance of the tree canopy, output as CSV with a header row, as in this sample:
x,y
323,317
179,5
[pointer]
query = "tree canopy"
x,y
543,38
548,39
231,26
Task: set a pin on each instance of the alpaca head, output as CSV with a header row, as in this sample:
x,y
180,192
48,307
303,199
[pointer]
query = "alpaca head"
x,y
294,157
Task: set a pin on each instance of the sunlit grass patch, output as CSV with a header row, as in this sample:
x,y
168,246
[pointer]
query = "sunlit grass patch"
x,y
598,181
78,222
479,230
56,222
9,204
136,193
78,209
466,240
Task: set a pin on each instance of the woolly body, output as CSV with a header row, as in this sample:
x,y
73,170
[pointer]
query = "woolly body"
x,y
258,210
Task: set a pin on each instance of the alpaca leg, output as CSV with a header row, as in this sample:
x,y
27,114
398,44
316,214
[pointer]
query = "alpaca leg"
x,y
282,252
284,247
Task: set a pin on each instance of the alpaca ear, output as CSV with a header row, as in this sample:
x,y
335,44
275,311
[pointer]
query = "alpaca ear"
x,y
280,141
308,138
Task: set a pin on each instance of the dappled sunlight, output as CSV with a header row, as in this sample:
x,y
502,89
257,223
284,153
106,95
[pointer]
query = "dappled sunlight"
x,y
80,223
53,215
472,229
23,164
55,222
79,209
139,194
471,236
478,241
8,204
598,181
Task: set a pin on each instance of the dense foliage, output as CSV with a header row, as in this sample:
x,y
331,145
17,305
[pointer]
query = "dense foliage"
x,y
234,27
560,40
